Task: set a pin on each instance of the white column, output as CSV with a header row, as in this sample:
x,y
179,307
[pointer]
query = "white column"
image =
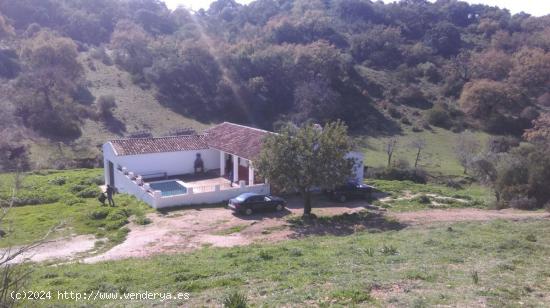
x,y
235,168
250,174
222,163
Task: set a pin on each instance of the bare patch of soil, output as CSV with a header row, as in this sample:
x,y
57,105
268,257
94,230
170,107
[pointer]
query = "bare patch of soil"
x,y
193,228
466,214
63,249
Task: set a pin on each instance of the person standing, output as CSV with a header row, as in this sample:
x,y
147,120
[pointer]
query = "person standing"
x,y
110,192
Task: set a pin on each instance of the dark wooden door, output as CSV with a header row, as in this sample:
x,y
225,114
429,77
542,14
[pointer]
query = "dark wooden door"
x,y
243,174
111,174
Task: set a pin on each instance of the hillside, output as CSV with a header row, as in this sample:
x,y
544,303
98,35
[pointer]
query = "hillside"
x,y
76,73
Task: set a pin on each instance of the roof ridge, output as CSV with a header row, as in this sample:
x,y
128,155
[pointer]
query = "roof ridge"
x,y
158,137
245,126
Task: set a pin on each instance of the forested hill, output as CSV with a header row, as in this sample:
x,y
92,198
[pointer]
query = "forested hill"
x,y
79,71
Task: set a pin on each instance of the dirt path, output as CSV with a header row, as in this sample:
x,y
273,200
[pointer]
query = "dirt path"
x,y
466,214
190,229
187,230
63,249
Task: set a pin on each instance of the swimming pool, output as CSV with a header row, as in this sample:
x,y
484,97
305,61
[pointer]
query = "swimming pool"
x,y
169,188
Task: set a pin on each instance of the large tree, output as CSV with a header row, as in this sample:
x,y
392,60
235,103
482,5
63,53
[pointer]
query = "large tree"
x,y
301,159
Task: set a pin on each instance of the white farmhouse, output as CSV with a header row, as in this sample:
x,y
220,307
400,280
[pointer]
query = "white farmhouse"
x,y
211,167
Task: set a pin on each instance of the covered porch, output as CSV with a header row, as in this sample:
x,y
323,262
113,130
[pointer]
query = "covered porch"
x,y
237,169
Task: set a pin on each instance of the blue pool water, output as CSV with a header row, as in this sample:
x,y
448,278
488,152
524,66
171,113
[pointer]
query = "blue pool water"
x,y
169,188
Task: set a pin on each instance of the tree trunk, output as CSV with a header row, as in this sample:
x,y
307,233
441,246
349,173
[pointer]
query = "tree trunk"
x,y
417,158
307,202
389,159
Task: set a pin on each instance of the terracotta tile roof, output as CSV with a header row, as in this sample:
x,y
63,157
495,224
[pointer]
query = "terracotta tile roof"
x,y
239,140
136,146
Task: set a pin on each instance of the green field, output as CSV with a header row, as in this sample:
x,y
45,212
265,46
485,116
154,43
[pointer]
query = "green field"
x,y
66,200
499,263
437,157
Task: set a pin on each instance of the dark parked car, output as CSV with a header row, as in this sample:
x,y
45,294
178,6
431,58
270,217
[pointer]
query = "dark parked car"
x,y
350,190
249,203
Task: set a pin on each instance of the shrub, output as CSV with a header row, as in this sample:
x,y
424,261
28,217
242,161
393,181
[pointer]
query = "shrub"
x,y
295,252
423,199
475,277
235,299
59,181
142,220
405,121
89,192
73,201
394,113
401,163
105,105
78,188
99,214
523,203
501,144
439,116
388,250
115,224
265,255
531,238
98,180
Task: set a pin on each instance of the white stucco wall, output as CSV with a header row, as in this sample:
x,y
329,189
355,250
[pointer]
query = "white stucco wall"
x,y
173,163
208,197
359,166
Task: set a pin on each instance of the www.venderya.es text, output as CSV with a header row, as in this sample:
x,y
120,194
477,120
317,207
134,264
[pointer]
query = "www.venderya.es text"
x,y
97,296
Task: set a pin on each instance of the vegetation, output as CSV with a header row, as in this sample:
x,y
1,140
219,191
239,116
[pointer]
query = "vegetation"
x,y
438,157
493,261
380,68
48,198
301,159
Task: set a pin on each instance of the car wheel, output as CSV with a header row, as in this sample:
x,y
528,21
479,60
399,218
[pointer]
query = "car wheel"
x,y
342,198
279,207
248,211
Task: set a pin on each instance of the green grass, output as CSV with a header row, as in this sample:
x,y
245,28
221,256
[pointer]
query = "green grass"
x,y
67,199
231,230
438,156
475,195
493,263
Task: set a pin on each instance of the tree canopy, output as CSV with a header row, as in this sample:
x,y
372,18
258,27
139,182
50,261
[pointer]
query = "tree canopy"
x,y
299,159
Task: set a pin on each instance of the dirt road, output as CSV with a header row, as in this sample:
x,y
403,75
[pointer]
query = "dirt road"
x,y
189,229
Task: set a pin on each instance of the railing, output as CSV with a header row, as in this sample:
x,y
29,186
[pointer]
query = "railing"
x,y
131,183
210,188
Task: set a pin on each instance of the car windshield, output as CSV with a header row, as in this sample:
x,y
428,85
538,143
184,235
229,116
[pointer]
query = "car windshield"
x,y
241,198
244,197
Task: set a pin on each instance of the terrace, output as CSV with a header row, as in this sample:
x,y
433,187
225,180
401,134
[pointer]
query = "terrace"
x,y
162,191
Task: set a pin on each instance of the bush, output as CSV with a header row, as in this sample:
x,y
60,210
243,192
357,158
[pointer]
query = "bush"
x,y
423,199
523,203
98,180
235,299
78,188
142,220
388,250
59,181
394,113
439,117
105,105
99,214
89,192
501,144
73,201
